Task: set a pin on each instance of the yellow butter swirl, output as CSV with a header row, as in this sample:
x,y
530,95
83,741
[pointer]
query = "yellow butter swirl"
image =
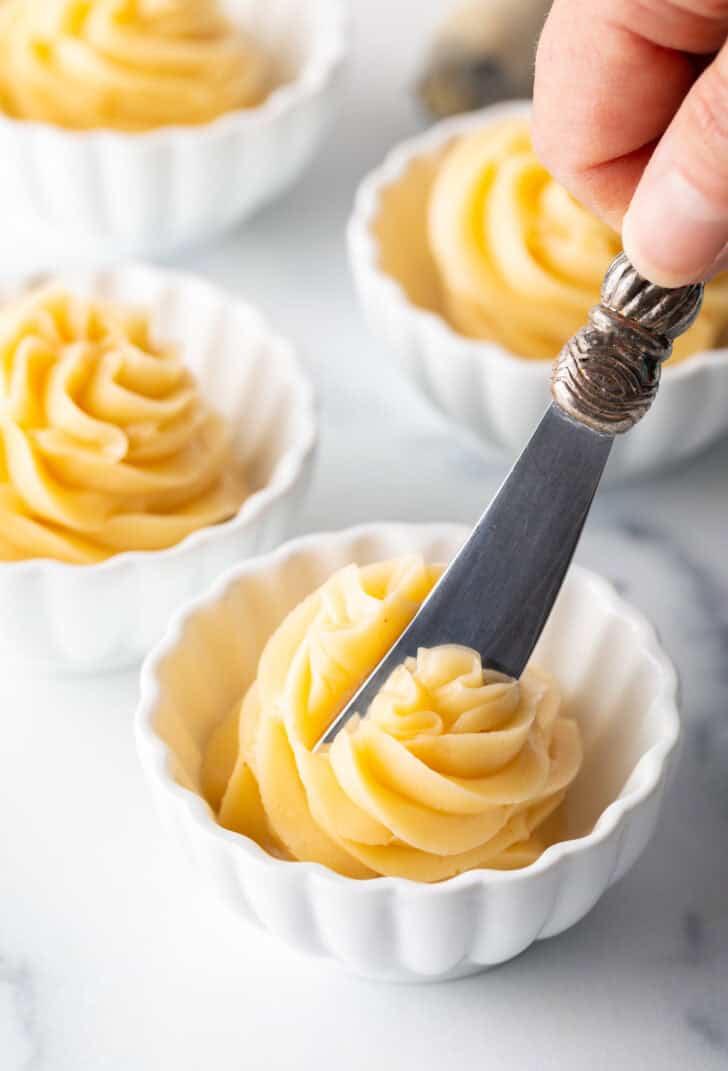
x,y
125,64
454,767
520,261
106,444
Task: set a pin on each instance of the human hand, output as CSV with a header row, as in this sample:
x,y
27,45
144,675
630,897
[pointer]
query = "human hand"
x,y
631,115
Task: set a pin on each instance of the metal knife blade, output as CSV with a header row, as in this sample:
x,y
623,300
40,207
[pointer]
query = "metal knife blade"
x,y
514,561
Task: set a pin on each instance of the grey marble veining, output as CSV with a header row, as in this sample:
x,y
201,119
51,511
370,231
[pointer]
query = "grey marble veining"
x,y
710,1028
21,1043
694,625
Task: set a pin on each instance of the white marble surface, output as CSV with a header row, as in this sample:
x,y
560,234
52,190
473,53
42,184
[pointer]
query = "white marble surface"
x,y
112,959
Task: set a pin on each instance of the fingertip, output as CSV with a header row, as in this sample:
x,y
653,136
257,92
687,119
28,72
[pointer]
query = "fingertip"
x,y
640,254
670,232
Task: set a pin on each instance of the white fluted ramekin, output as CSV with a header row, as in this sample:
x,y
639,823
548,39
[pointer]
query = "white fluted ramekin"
x,y
157,191
616,682
88,618
492,393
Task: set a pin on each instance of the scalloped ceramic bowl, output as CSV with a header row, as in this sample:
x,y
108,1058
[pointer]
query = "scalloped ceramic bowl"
x,y
174,186
615,679
88,618
495,395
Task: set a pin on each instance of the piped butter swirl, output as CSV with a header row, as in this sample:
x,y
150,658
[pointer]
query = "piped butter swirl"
x,y
520,261
454,767
125,64
106,444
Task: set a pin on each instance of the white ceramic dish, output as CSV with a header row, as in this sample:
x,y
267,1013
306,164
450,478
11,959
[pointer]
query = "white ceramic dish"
x,y
492,393
155,192
616,681
87,618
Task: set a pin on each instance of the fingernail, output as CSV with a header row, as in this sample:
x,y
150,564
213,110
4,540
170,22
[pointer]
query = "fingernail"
x,y
671,233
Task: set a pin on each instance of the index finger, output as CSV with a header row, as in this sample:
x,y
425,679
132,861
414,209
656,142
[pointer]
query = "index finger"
x,y
610,76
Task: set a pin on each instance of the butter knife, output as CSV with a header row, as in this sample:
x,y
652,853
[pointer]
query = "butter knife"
x,y
497,593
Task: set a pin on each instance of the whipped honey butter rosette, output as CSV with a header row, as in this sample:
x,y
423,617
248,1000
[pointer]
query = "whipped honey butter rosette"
x,y
106,444
129,65
520,261
454,767
137,127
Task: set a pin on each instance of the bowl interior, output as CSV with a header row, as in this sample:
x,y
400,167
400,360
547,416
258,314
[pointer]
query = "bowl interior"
x,y
399,227
611,680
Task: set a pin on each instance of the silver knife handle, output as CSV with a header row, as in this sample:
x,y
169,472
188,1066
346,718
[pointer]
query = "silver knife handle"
x,y
607,375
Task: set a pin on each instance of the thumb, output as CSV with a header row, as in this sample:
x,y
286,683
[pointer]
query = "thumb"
x,y
676,227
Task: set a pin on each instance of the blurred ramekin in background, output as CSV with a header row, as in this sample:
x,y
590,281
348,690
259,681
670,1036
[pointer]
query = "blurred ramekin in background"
x,y
158,191
497,396
88,618
616,682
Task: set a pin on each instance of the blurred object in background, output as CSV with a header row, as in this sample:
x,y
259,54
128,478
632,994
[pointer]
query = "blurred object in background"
x,y
482,52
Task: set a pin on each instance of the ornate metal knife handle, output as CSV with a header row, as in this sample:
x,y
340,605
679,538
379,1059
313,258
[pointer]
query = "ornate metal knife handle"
x,y
607,375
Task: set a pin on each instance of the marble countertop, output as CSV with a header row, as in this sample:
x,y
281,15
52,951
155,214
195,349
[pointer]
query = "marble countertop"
x,y
111,960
